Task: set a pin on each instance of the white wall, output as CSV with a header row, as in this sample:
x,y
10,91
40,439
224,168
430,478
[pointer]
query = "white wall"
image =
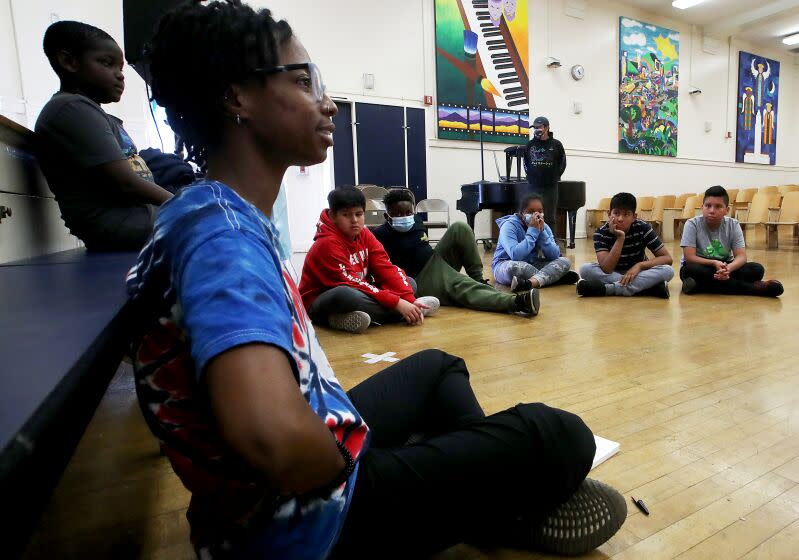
x,y
306,196
348,38
11,100
591,138
395,41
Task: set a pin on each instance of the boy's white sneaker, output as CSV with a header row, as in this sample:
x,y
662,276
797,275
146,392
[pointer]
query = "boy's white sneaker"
x,y
431,302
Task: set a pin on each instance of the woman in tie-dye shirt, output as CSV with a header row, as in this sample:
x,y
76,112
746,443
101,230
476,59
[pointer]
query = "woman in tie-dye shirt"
x,y
283,463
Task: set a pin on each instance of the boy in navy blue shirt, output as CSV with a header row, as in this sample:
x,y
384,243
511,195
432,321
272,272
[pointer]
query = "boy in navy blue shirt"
x,y
622,268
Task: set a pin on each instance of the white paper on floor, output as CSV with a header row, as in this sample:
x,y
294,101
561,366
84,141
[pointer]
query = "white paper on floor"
x,y
605,449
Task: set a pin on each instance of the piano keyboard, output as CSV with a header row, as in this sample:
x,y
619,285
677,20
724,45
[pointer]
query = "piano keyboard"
x,y
495,55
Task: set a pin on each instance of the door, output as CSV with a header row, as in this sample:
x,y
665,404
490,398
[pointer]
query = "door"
x,y
343,153
381,158
381,144
417,153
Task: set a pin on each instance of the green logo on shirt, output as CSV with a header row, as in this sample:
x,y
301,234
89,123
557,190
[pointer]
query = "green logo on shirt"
x,y
716,250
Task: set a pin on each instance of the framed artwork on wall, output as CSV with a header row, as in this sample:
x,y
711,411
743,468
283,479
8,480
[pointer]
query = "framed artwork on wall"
x,y
482,70
756,107
649,79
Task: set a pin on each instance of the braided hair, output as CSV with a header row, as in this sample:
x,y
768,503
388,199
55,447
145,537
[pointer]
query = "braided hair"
x,y
197,52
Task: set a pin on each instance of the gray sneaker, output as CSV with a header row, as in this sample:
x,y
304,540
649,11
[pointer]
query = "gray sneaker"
x,y
354,321
593,514
432,304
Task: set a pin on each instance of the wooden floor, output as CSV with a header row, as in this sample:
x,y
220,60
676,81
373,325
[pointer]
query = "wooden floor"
x,y
702,392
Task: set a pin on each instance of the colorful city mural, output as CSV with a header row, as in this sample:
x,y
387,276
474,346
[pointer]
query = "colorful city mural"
x,y
758,92
649,59
482,70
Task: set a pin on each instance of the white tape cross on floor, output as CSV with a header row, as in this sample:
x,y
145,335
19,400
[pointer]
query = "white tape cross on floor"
x,y
374,358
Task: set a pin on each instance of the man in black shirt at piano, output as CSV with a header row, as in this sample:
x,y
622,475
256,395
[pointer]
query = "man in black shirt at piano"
x,y
544,163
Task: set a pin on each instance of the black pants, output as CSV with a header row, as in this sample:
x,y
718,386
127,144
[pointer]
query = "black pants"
x,y
470,477
741,281
549,198
343,299
119,229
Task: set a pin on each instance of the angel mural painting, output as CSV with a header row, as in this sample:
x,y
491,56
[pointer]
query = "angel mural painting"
x,y
760,79
758,88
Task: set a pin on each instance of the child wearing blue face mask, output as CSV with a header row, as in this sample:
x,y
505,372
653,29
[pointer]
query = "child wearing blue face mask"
x,y
437,271
527,255
348,281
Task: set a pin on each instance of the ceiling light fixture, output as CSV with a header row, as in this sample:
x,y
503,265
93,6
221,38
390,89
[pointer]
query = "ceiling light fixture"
x,y
791,39
684,4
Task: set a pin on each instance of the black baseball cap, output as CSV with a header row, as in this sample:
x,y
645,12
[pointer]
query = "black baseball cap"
x,y
541,120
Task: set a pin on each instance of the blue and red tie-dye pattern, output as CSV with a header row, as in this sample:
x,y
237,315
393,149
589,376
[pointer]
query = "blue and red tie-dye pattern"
x,y
213,276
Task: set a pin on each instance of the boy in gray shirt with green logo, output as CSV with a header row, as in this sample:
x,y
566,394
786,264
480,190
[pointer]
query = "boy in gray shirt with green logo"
x,y
714,253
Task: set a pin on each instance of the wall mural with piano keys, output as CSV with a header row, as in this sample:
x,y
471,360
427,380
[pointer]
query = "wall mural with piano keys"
x,y
649,59
482,70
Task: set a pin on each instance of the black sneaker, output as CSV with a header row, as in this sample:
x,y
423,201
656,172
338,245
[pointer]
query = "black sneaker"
x,y
591,288
587,520
689,285
529,302
769,288
660,290
569,278
517,285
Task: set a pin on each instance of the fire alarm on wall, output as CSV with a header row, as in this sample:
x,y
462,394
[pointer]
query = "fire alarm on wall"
x,y
428,99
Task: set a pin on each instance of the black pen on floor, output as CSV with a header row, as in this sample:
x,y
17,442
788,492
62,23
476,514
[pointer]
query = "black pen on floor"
x,y
640,505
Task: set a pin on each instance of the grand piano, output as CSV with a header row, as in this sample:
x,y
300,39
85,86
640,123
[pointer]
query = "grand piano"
x,y
506,195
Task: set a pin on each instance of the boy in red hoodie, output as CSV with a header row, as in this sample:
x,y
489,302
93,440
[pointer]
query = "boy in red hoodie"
x,y
347,281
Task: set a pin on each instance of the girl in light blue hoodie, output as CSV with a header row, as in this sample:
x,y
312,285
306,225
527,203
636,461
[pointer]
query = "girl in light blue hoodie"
x,y
527,255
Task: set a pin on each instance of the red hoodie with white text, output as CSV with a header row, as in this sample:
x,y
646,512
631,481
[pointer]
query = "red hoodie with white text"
x,y
360,263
